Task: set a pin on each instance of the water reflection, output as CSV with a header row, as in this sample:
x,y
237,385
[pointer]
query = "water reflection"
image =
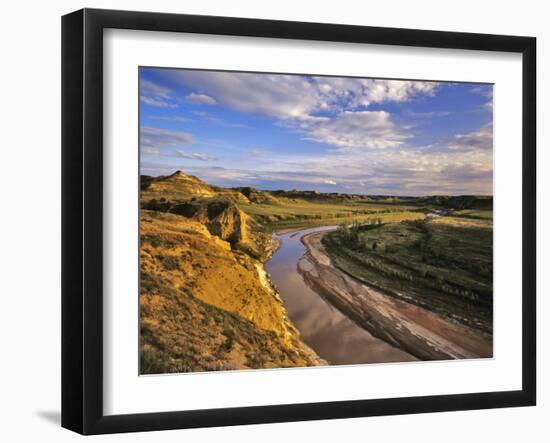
x,y
330,333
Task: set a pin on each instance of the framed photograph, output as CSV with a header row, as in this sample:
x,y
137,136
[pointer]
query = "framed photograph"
x,y
269,221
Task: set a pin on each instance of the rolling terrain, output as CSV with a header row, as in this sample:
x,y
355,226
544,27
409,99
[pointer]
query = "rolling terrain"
x,y
434,263
206,302
398,320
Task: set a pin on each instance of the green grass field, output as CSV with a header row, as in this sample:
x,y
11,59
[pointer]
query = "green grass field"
x,y
404,247
442,267
479,214
296,213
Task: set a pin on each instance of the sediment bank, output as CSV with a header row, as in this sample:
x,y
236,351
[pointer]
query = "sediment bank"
x,y
416,330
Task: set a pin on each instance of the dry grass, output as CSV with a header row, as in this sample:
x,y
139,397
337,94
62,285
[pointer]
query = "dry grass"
x,y
463,222
203,305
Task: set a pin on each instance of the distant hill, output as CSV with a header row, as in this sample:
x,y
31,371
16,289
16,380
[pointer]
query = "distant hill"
x,y
458,202
256,196
178,182
180,186
318,196
443,201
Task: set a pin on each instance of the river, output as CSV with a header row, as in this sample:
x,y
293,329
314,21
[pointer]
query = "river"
x,y
332,335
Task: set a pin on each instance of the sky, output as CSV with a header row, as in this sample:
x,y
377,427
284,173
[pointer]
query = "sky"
x,y
323,133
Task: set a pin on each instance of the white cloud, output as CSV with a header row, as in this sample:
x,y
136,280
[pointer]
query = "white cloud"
x,y
257,152
363,92
487,92
217,175
480,139
217,120
325,109
195,156
155,138
148,87
153,94
279,96
172,118
399,171
201,99
370,154
151,101
358,130
293,96
161,143
379,91
150,150
390,172
430,114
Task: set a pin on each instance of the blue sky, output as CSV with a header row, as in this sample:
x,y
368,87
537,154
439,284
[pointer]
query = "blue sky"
x,y
330,134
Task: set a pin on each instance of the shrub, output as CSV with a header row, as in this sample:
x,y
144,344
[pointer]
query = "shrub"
x,y
157,205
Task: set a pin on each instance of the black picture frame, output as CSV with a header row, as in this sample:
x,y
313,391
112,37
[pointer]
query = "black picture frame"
x,y
82,218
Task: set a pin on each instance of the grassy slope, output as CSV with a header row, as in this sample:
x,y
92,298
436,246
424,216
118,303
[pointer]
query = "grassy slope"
x,y
180,186
482,214
294,213
438,264
203,306
296,210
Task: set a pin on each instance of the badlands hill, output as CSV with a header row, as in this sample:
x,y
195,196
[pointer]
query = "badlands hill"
x,y
205,301
180,186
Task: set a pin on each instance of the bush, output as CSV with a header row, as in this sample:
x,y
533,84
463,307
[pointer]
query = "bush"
x,y
157,205
169,262
151,362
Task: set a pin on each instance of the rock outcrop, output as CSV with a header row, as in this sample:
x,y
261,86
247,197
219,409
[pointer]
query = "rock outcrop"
x,y
205,306
219,215
206,303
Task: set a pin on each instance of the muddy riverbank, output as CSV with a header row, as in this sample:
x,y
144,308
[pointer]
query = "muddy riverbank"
x,y
418,331
328,331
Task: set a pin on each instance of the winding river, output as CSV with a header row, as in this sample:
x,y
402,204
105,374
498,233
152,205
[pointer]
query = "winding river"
x,y
332,335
